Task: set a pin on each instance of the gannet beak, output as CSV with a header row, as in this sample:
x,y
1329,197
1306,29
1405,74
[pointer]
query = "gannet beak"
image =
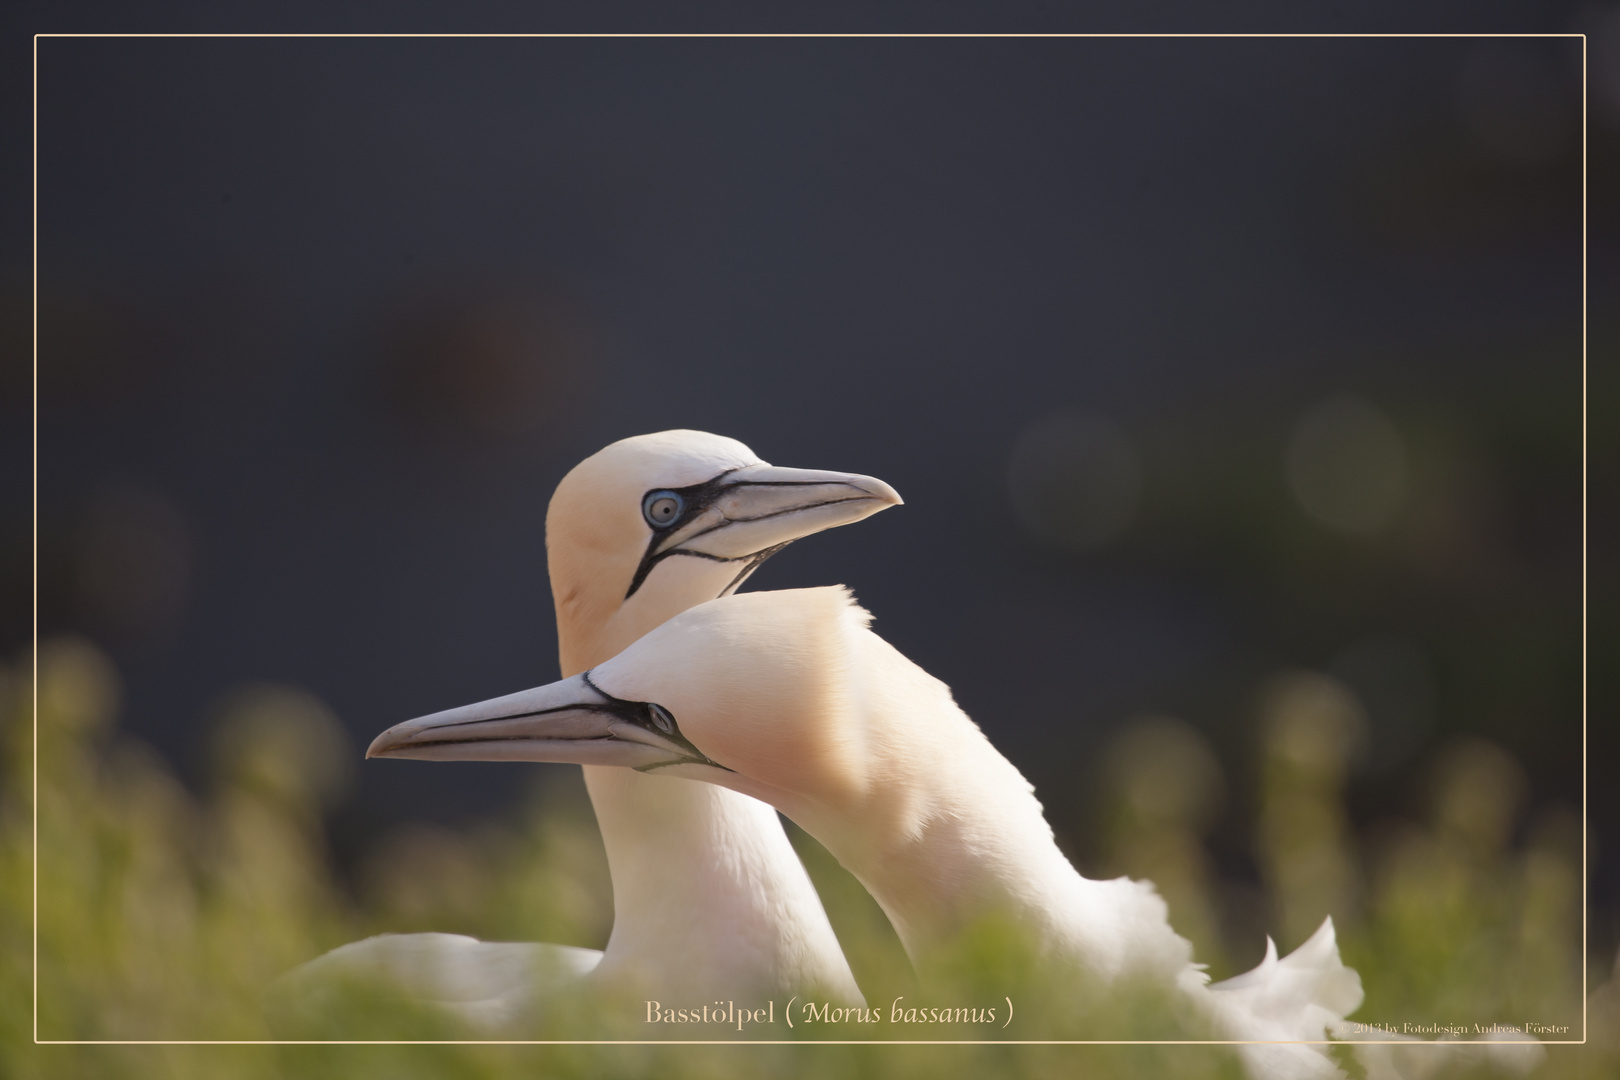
x,y
566,721
762,507
748,514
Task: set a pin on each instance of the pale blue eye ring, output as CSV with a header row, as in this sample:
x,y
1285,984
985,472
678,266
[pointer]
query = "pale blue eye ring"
x,y
662,508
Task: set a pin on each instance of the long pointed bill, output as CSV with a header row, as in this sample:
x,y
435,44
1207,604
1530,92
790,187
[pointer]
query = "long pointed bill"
x,y
747,515
763,507
566,721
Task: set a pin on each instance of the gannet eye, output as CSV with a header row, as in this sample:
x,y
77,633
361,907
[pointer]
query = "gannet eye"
x,y
661,508
661,718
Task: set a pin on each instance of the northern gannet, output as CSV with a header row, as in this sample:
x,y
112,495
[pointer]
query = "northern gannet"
x,y
710,899
790,697
709,896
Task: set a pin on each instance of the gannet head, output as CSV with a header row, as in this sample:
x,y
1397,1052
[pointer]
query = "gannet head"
x,y
760,692
650,526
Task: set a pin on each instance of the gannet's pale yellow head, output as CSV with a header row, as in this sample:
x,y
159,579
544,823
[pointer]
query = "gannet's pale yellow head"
x,y
652,525
764,685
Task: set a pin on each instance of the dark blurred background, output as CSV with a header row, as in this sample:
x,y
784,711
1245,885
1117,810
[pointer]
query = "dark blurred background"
x,y
1197,362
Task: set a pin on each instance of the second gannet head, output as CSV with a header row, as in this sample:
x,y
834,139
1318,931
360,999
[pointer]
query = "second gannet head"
x,y
652,525
786,696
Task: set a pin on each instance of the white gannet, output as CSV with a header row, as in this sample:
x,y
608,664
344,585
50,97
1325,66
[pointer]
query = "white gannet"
x,y
710,900
789,697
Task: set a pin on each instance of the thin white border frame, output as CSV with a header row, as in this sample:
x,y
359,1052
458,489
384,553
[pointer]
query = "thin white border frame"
x,y
1585,480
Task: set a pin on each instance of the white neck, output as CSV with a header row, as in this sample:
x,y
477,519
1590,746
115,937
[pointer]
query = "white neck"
x,y
944,831
710,900
980,848
709,897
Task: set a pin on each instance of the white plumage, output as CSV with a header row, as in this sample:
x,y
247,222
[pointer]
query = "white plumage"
x,y
790,698
490,985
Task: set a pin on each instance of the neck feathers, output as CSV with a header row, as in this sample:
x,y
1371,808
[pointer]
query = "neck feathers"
x,y
946,833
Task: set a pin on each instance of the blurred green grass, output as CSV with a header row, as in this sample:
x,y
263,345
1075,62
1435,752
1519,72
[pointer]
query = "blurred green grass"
x,y
165,915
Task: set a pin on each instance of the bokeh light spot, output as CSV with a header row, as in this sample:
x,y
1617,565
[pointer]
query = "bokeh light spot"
x,y
1347,465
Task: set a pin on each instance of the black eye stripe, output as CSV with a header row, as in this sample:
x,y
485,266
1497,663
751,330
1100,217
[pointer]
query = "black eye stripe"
x,y
653,717
694,500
